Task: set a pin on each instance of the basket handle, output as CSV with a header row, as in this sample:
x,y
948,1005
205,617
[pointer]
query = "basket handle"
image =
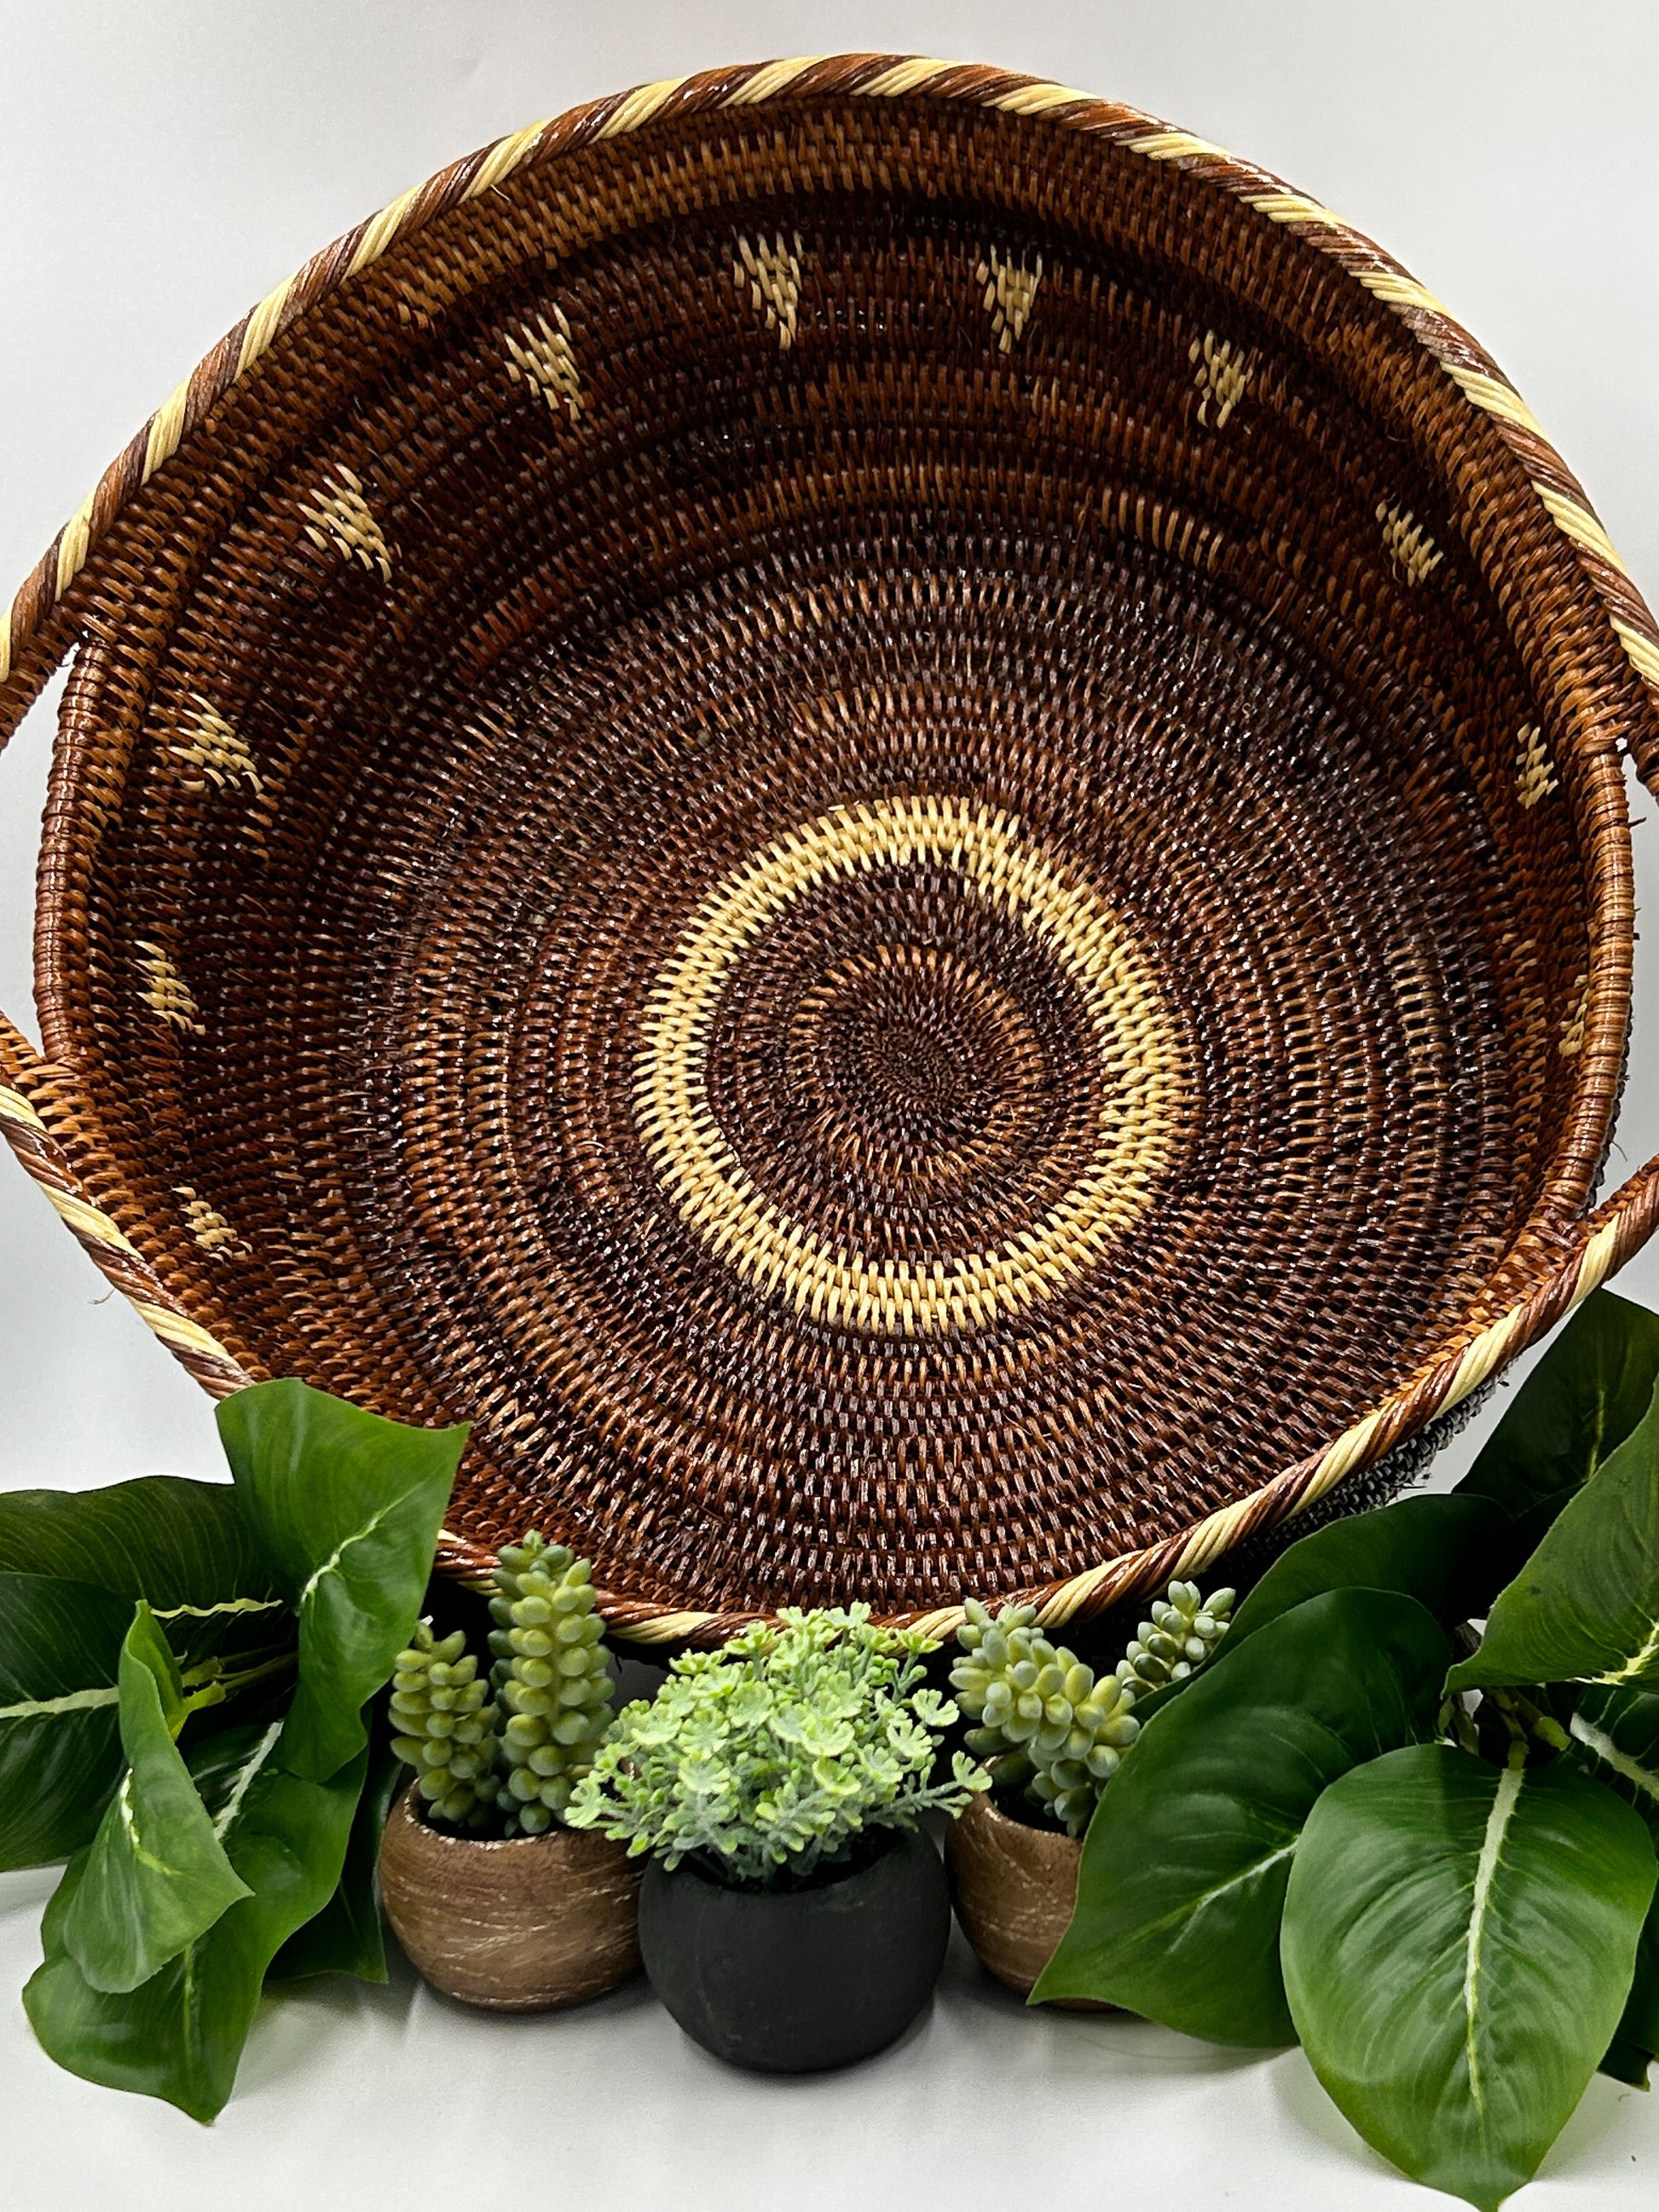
x,y
40,1111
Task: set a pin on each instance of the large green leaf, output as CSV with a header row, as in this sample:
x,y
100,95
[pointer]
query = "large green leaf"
x,y
1458,1940
185,1547
1186,1860
180,2035
1585,1607
171,1542
346,1937
1583,1399
1616,1738
157,1873
346,1507
60,1745
1449,1553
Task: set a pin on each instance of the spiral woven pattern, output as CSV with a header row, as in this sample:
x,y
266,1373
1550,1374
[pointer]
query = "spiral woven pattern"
x,y
881,827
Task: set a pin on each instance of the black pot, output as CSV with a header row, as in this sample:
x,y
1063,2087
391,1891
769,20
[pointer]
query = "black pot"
x,y
791,1981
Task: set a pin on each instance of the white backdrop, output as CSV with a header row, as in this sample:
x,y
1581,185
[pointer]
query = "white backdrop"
x,y
161,166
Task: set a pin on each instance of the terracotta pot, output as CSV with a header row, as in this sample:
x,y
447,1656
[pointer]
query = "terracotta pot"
x,y
528,1925
1013,1886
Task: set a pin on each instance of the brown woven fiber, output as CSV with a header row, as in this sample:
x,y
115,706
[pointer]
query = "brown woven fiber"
x,y
882,808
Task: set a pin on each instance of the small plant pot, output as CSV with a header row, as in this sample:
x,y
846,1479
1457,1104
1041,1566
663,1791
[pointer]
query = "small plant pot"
x,y
530,1924
1013,1886
794,1981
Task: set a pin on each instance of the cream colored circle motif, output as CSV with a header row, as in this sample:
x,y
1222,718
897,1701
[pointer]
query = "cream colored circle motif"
x,y
1136,1130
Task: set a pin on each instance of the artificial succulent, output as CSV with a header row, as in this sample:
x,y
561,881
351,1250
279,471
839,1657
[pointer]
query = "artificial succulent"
x,y
507,1768
446,1732
551,1677
1046,1721
1183,1632
769,1756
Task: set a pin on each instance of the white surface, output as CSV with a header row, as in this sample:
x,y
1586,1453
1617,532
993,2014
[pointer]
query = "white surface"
x,y
161,166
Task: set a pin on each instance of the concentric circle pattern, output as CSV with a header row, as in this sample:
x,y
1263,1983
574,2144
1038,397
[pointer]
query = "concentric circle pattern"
x,y
950,1063
841,826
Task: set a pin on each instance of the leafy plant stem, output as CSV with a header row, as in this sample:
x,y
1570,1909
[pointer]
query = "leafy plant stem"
x,y
216,1688
1523,1719
1456,1720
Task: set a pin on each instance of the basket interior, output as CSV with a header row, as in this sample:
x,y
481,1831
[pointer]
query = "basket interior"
x,y
858,822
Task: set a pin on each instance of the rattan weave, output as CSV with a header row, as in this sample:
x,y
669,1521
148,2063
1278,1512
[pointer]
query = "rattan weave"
x,y
882,808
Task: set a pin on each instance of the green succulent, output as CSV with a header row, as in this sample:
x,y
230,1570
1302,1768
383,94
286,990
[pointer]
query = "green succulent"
x,y
1045,1719
446,1731
551,1676
513,1561
768,1757
1183,1632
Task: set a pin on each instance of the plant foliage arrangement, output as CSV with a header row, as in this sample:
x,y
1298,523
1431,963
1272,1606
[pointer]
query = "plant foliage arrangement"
x,y
1404,1814
765,1760
185,1673
1046,1725
1425,1850
550,1676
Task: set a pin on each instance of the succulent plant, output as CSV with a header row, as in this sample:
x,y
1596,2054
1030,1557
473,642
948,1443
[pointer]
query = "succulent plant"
x,y
1183,1632
446,1731
1045,1719
514,1560
771,1754
551,1677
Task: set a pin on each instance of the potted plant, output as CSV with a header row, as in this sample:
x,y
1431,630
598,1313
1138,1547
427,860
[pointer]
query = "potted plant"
x,y
494,1899
1053,1736
793,1918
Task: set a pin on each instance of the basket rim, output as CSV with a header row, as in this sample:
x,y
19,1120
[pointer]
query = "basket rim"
x,y
41,625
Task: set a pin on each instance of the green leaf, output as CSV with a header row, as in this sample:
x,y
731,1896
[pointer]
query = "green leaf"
x,y
1449,1553
1583,1399
346,1507
1616,1737
60,1745
1585,1607
180,2035
1187,1858
185,1547
346,1936
171,1542
1458,1941
156,1874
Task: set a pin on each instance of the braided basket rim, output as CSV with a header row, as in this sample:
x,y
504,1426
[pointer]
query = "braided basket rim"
x,y
42,624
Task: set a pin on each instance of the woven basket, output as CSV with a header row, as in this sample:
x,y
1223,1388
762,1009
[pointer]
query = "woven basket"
x,y
879,807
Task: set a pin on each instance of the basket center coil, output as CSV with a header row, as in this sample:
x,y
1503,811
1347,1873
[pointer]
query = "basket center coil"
x,y
1133,1117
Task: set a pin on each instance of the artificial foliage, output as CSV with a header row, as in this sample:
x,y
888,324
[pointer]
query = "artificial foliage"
x,y
766,1760
1407,1814
1183,1633
551,1677
507,1768
1046,1722
1399,1804
186,1672
446,1730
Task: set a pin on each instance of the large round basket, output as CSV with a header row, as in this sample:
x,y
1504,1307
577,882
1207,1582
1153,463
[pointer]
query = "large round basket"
x,y
881,807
